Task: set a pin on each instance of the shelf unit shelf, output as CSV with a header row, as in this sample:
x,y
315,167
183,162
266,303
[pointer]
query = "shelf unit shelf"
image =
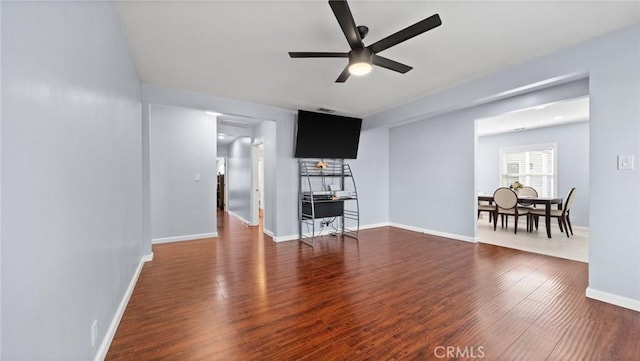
x,y
327,196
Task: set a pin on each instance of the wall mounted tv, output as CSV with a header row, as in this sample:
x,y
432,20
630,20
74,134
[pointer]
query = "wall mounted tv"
x,y
329,136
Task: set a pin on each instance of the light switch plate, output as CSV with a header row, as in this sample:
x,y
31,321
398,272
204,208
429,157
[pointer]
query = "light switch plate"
x,y
196,177
625,162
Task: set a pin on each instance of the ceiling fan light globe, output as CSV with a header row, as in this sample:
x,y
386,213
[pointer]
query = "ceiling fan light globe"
x,y
359,69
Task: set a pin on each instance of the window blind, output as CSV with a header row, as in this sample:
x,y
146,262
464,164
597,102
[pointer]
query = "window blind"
x,y
532,165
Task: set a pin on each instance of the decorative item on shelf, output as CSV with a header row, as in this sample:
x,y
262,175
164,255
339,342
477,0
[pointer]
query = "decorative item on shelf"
x,y
517,186
322,165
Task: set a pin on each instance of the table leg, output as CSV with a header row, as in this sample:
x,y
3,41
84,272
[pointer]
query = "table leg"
x,y
547,219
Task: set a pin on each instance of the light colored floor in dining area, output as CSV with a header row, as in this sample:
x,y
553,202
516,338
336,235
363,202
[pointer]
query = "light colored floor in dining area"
x,y
575,247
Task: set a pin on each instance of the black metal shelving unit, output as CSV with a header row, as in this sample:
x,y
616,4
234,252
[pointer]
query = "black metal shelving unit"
x,y
328,199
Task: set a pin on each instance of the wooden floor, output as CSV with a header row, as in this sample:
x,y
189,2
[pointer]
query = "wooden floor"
x,y
394,295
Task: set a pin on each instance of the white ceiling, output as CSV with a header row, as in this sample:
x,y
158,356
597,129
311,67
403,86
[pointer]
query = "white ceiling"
x,y
238,49
546,115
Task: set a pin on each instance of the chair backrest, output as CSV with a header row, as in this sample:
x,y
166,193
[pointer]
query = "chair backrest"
x,y
505,198
567,203
528,192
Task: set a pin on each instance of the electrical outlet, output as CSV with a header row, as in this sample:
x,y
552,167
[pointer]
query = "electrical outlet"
x,y
94,332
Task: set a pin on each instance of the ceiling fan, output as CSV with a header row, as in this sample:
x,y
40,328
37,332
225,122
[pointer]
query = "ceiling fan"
x,y
361,58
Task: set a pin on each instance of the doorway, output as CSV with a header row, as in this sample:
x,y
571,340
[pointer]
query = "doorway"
x,y
545,147
221,189
257,183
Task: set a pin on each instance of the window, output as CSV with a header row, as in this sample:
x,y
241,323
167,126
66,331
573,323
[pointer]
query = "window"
x,y
531,165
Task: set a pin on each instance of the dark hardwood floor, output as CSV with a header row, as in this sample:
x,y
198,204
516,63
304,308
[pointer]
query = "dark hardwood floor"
x,y
394,295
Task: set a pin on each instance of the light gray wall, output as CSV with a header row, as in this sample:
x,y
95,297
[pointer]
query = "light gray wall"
x,y
71,181
371,174
572,158
265,132
612,63
183,144
0,178
222,150
285,214
287,191
431,175
614,250
239,178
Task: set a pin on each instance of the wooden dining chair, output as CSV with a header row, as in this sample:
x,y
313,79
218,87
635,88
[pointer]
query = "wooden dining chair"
x,y
507,205
561,214
488,207
527,192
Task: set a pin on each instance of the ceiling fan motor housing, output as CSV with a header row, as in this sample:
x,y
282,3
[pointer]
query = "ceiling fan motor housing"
x,y
363,31
362,55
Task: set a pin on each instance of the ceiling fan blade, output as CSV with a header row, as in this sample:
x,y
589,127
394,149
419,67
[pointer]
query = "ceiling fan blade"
x,y
344,75
347,24
390,64
310,54
406,33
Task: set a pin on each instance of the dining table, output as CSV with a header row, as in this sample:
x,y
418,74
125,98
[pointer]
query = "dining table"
x,y
547,201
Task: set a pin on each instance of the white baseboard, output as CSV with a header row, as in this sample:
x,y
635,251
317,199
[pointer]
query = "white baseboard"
x,y
613,299
457,237
240,218
268,233
295,237
375,225
188,237
147,257
115,321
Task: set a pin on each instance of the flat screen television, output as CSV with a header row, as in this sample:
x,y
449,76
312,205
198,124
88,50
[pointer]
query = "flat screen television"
x,y
329,136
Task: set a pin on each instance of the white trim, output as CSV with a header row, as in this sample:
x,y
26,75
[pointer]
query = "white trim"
x,y
613,299
240,218
295,237
375,225
292,237
115,321
268,232
188,237
147,257
456,237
